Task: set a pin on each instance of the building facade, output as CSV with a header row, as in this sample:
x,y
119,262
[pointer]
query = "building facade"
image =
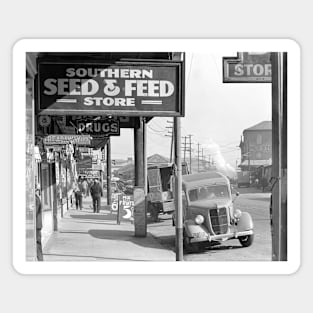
x,y
256,146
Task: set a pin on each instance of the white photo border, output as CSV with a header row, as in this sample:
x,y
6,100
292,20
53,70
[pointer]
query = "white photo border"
x,y
154,45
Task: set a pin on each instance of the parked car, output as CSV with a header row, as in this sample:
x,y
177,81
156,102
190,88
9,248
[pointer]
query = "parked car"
x,y
209,214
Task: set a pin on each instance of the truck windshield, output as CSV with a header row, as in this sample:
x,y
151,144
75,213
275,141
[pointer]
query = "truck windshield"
x,y
208,192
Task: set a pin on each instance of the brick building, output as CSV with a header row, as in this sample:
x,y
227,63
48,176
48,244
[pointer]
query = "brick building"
x,y
256,146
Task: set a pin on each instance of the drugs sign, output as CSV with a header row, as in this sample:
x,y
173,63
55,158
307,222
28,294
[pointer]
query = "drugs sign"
x,y
106,127
124,88
248,67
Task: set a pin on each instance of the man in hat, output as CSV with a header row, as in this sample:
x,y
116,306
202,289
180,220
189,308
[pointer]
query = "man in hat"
x,y
96,194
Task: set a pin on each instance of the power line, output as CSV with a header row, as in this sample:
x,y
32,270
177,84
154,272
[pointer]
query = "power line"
x,y
191,62
158,131
157,124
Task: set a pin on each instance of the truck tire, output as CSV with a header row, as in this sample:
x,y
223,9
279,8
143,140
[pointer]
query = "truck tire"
x,y
246,241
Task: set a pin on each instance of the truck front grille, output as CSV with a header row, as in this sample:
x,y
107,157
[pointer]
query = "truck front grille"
x,y
219,220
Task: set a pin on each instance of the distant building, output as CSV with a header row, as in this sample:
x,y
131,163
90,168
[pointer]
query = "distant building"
x,y
256,146
157,159
126,170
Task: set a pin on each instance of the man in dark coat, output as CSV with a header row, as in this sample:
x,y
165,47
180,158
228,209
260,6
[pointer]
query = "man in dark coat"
x,y
96,194
38,225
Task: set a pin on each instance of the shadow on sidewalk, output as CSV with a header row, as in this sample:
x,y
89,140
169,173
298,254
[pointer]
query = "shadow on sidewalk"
x,y
97,258
94,216
126,235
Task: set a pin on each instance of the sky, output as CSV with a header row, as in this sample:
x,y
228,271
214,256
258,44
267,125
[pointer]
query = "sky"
x,y
215,113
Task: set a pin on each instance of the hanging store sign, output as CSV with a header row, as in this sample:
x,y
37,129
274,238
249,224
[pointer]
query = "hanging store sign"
x,y
248,67
85,163
125,88
106,127
66,139
88,173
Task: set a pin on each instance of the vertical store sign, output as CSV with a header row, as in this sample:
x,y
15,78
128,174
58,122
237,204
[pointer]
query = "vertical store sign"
x,y
124,88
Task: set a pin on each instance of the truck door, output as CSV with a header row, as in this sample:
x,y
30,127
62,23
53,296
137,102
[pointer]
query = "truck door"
x,y
155,184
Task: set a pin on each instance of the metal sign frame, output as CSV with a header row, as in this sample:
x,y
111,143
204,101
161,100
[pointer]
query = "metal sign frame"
x,y
239,59
153,105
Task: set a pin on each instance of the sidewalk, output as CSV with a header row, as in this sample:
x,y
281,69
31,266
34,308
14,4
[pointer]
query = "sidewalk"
x,y
87,236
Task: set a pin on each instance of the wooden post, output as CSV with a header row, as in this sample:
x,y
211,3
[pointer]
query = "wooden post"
x,y
140,219
109,171
172,142
145,170
284,252
279,207
53,195
60,184
66,185
178,191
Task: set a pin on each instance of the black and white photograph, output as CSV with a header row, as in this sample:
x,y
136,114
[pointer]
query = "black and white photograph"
x,y
152,152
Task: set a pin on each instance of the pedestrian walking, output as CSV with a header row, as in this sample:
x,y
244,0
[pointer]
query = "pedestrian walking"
x,y
96,192
85,187
78,190
38,225
90,183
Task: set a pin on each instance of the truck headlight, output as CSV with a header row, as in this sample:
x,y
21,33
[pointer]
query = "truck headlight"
x,y
237,214
199,219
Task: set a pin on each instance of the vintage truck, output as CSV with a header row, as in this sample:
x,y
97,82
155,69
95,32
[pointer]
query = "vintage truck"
x,y
243,179
160,197
209,214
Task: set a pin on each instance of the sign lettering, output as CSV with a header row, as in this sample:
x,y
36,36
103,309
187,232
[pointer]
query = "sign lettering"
x,y
247,68
107,127
130,89
66,139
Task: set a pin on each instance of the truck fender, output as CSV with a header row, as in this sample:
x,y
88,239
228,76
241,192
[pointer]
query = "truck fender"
x,y
191,227
245,222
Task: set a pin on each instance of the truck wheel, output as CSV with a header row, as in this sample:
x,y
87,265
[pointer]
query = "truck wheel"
x,y
155,216
190,247
186,242
246,241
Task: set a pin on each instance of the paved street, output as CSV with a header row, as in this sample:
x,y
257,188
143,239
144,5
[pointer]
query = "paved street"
x,y
250,200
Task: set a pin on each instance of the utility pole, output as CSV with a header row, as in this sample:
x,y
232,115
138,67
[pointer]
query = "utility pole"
x,y
171,134
178,191
279,152
109,170
185,147
190,153
202,161
248,153
198,156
